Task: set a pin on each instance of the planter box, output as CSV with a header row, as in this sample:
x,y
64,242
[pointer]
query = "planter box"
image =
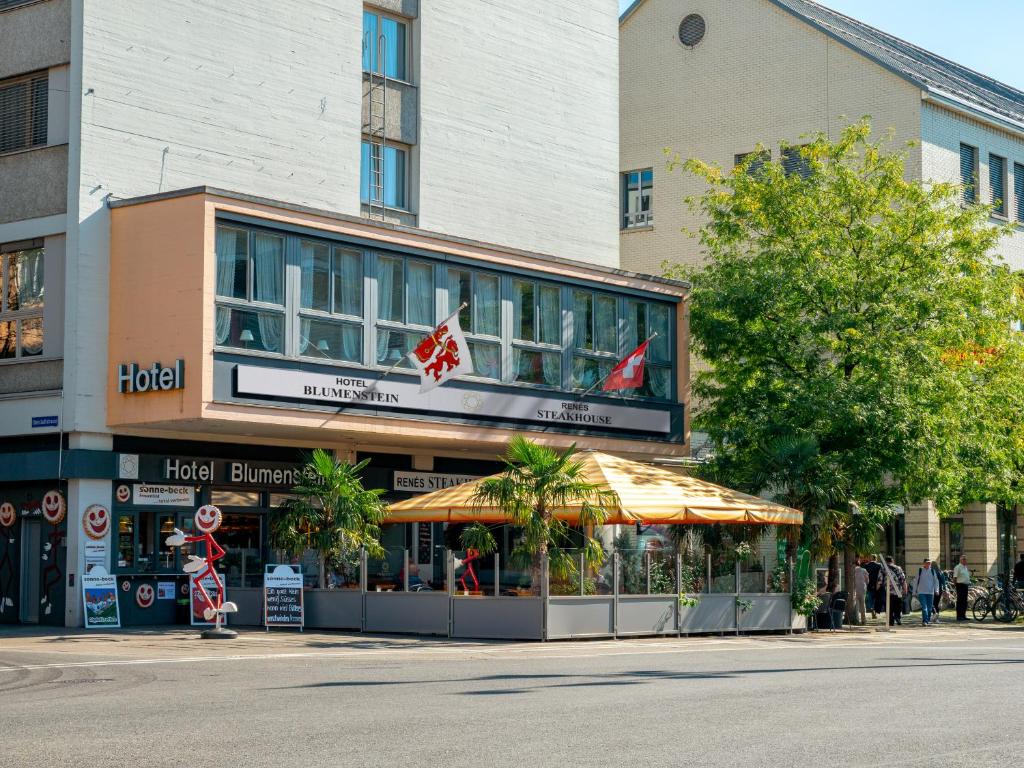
x,y
714,613
333,608
570,617
647,615
499,618
767,613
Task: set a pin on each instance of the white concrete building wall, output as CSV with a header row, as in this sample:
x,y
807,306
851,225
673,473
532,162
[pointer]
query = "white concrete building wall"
x,y
942,131
519,124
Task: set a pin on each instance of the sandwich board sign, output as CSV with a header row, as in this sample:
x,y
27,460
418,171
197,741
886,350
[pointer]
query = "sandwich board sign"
x,y
99,595
282,597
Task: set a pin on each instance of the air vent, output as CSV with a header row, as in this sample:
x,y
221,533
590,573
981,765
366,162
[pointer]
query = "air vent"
x,y
691,30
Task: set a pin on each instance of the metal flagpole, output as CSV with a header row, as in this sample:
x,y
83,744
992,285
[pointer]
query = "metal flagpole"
x,y
598,383
462,306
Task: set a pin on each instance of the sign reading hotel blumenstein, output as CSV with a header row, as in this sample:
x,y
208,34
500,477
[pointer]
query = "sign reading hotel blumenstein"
x,y
386,393
132,379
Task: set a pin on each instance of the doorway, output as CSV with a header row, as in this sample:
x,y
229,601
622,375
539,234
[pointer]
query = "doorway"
x,y
31,536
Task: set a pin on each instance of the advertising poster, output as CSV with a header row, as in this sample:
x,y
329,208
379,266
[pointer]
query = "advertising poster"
x,y
95,555
198,604
99,594
165,590
282,597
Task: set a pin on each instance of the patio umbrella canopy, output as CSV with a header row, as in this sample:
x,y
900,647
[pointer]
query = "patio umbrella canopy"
x,y
647,494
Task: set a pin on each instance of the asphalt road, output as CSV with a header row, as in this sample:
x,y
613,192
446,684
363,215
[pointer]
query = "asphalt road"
x,y
915,697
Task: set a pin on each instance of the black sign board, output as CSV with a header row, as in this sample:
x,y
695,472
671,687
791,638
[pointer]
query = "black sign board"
x,y
282,597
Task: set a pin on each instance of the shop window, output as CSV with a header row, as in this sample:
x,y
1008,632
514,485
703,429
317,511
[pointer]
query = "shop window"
x,y
126,541
536,333
22,290
239,535
480,320
250,290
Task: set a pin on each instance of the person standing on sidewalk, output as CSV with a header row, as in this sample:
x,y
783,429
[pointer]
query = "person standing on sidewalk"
x,y
925,587
940,579
962,579
860,588
896,580
874,569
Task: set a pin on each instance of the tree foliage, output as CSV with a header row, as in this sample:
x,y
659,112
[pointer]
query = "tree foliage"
x,y
857,328
536,482
332,513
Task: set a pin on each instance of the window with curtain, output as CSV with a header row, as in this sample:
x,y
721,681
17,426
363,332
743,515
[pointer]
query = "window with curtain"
x,y
405,307
536,333
24,107
595,333
385,45
330,302
644,319
250,290
382,174
480,320
21,300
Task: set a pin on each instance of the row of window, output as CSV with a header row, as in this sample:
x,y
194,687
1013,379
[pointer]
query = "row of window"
x,y
24,104
21,300
998,182
303,297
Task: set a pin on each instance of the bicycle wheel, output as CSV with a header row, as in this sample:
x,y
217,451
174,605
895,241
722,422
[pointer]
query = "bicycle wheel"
x,y
1004,610
980,608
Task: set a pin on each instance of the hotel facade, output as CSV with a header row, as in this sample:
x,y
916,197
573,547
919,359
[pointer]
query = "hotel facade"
x,y
222,231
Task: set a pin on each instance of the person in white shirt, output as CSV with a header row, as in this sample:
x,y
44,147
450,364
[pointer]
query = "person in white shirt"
x,y
962,579
860,588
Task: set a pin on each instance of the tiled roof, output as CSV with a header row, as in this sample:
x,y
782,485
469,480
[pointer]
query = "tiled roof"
x,y
941,77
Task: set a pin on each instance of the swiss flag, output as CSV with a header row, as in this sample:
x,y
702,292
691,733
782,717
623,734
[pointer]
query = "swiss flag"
x,y
629,374
442,355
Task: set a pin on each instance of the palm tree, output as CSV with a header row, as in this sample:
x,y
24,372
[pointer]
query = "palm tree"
x,y
535,483
331,513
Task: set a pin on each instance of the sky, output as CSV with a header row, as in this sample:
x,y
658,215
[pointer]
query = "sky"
x,y
983,35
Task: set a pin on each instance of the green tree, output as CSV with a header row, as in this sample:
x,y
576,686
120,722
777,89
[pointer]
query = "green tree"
x,y
536,482
850,319
332,513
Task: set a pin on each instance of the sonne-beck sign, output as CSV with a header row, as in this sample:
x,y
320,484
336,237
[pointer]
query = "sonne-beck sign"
x,y
387,393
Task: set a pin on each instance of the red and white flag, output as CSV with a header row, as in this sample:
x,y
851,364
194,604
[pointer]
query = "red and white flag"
x,y
442,355
629,374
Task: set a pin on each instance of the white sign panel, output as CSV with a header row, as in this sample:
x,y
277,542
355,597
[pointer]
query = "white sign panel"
x,y
423,482
164,495
99,595
385,393
95,555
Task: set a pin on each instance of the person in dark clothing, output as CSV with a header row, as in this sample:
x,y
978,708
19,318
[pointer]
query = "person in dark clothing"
x,y
877,596
962,579
1018,572
897,583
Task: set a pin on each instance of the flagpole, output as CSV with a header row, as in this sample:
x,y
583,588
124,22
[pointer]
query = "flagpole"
x,y
387,373
601,381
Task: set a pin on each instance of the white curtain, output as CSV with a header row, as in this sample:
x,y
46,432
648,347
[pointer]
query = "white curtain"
x,y
658,380
227,247
350,342
348,283
421,294
385,298
550,316
551,368
486,360
304,331
268,266
487,306
605,325
581,319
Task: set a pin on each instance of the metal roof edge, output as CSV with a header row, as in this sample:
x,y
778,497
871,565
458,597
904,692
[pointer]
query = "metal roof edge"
x,y
242,197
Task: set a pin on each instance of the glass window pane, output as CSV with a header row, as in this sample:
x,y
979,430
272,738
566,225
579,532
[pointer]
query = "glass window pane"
x,y
395,346
268,269
583,319
658,316
460,285
32,337
369,42
421,293
232,262
487,306
550,315
126,541
366,156
332,341
348,282
315,274
390,289
394,48
522,310
244,329
636,324
586,371
657,382
25,279
532,367
8,340
605,325
486,359
394,177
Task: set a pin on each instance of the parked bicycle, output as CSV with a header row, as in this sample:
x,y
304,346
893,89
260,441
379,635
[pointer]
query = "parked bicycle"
x,y
1005,604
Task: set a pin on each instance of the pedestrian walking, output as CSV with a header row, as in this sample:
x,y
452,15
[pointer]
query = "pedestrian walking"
x,y
860,588
896,580
925,586
875,596
962,580
940,589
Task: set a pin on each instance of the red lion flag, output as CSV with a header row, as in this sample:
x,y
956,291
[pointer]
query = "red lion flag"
x,y
629,374
442,355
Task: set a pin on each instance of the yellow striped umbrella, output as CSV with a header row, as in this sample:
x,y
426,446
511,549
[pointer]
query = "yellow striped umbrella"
x,y
648,494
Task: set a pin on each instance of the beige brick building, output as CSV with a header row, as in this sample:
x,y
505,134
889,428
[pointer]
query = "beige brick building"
x,y
712,79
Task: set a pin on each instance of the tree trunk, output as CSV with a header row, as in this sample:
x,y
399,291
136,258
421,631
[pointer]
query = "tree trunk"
x,y
323,571
849,558
833,572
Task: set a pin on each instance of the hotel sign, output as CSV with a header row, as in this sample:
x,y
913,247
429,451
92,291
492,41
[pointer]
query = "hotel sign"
x,y
356,391
131,378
